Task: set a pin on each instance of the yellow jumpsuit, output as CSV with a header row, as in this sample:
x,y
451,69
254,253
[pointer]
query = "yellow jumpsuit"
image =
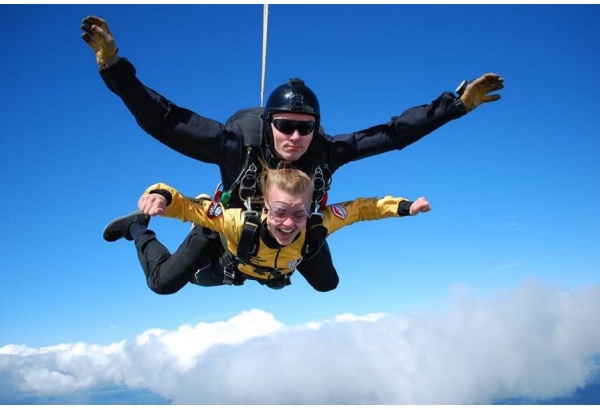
x,y
230,222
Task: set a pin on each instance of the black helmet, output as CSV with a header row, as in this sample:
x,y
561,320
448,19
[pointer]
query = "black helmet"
x,y
294,96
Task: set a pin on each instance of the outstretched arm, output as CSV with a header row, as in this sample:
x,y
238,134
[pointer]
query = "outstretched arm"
x,y
414,123
181,129
164,200
337,216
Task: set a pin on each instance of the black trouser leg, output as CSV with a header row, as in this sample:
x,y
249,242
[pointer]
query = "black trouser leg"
x,y
167,273
319,271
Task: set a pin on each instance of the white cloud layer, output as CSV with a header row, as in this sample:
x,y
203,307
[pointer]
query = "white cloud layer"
x,y
536,342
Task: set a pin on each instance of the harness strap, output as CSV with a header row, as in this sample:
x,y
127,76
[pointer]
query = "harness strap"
x,y
249,239
228,269
248,247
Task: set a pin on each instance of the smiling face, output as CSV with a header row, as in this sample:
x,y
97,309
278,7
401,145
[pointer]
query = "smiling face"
x,y
288,193
288,141
287,215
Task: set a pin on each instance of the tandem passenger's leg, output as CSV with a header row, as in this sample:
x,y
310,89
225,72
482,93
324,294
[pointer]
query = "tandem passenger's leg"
x,y
167,273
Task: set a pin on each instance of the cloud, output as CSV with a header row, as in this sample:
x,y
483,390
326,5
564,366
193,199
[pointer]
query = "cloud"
x,y
535,342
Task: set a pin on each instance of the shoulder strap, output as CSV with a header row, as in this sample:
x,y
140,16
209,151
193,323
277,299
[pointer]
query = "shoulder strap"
x,y
319,170
249,239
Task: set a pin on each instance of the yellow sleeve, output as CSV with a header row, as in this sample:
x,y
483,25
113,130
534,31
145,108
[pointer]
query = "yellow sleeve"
x,y
200,211
337,216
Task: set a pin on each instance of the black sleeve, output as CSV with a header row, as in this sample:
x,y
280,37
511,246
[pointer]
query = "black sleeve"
x,y
164,193
401,131
181,129
404,208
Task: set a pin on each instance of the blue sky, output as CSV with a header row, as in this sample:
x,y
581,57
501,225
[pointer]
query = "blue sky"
x,y
492,295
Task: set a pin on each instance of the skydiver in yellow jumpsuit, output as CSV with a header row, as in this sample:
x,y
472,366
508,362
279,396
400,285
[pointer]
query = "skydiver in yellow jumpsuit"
x,y
282,230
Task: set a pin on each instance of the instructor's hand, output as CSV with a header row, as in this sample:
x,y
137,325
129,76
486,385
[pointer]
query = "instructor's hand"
x,y
100,39
478,91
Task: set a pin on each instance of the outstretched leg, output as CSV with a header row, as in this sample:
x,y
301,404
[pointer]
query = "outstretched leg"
x,y
167,273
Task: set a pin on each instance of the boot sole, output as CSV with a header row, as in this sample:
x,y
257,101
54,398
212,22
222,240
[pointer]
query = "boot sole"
x,y
118,228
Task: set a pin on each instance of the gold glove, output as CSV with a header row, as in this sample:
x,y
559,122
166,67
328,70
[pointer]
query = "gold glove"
x,y
477,91
100,39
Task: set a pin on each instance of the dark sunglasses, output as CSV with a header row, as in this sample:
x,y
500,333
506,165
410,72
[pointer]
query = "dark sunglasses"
x,y
289,126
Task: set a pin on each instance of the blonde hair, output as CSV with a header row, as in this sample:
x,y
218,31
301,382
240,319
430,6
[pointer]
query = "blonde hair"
x,y
290,180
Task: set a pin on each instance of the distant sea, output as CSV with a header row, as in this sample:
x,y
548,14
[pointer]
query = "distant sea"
x,y
588,395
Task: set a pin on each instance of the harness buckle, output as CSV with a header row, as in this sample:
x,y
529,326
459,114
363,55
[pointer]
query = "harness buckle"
x,y
248,182
228,274
321,185
316,217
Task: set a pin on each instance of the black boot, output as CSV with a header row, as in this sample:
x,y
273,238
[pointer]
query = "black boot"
x,y
119,228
